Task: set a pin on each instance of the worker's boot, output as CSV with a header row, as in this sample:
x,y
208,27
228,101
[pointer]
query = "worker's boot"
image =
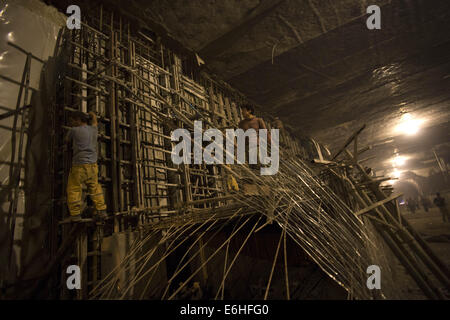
x,y
101,215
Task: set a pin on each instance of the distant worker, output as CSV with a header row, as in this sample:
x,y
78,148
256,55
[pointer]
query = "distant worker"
x,y
440,203
411,204
84,166
278,124
426,203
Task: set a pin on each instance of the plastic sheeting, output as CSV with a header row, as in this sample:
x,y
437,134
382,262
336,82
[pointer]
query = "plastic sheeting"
x,y
34,27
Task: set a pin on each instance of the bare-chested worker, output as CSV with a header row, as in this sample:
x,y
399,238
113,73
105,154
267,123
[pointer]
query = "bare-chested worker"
x,y
251,121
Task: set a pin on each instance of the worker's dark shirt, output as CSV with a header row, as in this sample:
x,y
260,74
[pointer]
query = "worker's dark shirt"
x,y
84,144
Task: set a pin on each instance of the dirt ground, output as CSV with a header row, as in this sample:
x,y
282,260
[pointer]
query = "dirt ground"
x,y
431,227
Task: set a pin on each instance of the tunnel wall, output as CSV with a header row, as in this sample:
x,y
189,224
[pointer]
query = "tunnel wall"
x,y
33,27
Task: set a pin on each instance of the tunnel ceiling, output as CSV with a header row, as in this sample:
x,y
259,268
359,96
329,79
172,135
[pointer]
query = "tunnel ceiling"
x,y
315,64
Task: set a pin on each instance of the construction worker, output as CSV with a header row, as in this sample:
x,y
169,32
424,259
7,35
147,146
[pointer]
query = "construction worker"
x,y
278,124
84,166
426,203
440,203
250,121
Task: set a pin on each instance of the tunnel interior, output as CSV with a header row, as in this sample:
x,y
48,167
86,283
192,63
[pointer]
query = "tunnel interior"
x,y
354,93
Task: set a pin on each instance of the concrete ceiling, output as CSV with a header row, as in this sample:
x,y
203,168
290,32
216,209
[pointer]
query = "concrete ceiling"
x,y
315,64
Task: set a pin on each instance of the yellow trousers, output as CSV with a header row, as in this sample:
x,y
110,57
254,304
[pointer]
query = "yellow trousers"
x,y
232,183
84,174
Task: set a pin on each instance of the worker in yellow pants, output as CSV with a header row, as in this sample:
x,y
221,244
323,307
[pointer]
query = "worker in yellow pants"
x,y
86,174
232,183
84,169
